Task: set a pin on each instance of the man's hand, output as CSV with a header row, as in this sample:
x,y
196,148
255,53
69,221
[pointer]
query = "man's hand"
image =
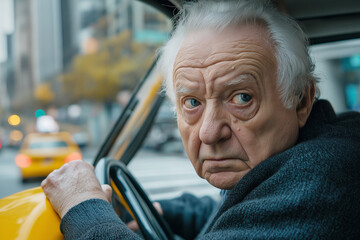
x,y
133,224
72,184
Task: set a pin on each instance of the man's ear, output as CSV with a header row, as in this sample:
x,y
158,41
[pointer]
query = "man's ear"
x,y
305,105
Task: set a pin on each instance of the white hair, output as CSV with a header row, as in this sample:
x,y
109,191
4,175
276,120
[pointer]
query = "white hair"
x,y
295,67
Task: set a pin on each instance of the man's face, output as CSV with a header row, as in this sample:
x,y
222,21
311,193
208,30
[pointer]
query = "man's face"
x,y
230,115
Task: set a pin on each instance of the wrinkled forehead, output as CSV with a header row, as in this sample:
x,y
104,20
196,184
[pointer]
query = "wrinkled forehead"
x,y
207,47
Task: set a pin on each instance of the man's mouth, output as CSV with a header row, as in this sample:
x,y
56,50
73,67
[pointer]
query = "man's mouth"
x,y
222,159
218,159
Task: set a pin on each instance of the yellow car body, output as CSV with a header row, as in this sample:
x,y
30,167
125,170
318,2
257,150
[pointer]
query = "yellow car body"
x,y
28,215
41,153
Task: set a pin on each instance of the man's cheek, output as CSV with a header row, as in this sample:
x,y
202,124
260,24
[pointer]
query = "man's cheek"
x,y
191,143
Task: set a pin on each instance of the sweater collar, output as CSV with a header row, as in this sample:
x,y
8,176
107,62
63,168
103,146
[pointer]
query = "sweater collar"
x,y
321,114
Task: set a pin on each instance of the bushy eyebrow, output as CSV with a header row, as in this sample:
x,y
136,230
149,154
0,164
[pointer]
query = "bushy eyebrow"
x,y
240,79
181,90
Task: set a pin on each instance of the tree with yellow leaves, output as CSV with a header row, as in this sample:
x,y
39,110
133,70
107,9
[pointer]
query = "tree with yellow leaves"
x,y
118,63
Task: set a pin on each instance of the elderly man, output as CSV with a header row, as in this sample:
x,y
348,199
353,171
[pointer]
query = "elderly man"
x,y
241,78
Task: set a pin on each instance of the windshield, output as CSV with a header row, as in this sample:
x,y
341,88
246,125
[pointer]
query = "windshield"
x,y
39,145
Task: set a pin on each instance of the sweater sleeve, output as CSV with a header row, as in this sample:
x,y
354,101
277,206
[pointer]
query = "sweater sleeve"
x,y
94,219
187,214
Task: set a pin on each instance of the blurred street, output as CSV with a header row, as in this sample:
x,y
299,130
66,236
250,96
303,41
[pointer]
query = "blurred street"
x,y
10,178
161,176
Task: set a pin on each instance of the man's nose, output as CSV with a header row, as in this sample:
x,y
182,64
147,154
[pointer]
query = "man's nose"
x,y
214,127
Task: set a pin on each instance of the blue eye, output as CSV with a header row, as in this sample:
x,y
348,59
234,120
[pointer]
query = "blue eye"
x,y
241,98
191,103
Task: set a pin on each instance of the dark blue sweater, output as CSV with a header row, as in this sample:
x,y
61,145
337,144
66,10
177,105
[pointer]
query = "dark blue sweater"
x,y
310,191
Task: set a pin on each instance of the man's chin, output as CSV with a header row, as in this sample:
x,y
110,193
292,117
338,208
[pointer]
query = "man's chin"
x,y
224,180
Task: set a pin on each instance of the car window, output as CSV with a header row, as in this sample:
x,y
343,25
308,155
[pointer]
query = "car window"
x,y
338,68
70,66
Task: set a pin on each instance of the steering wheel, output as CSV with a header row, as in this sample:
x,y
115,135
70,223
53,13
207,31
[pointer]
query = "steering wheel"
x,y
128,196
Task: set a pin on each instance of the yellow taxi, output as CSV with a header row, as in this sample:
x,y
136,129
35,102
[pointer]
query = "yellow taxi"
x,y
41,153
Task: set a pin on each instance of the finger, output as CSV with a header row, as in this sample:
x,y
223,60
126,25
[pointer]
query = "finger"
x,y
133,225
157,206
107,190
